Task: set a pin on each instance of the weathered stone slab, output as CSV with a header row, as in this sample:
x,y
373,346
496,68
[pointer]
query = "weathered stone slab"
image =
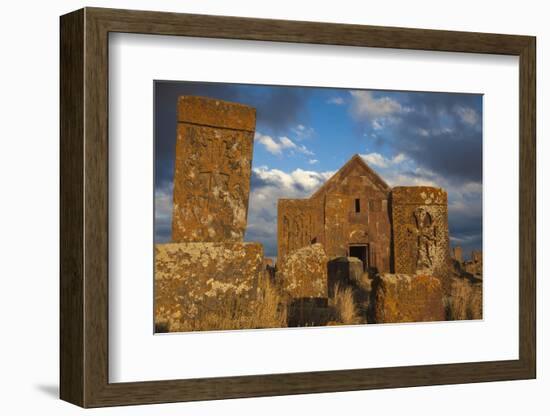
x,y
343,271
304,273
407,298
191,278
420,231
212,170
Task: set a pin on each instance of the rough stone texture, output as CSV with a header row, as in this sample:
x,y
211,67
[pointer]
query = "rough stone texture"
x,y
298,224
407,298
330,217
212,170
343,271
457,253
303,273
421,231
192,276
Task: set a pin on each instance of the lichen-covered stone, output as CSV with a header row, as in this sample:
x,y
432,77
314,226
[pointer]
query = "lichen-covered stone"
x,y
343,271
212,170
407,298
303,273
421,232
193,277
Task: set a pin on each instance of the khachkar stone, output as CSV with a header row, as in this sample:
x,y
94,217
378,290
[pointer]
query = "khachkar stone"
x,y
212,170
421,231
194,279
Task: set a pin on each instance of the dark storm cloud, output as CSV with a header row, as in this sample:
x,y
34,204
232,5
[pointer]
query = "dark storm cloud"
x,y
453,147
276,108
441,132
466,233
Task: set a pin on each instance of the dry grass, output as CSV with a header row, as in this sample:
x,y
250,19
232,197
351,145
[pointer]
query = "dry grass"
x,y
344,306
466,300
230,312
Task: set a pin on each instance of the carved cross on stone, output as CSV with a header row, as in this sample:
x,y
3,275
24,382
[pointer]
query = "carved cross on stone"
x,y
212,172
426,238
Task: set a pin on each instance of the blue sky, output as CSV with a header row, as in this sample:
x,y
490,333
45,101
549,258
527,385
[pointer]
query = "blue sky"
x,y
303,135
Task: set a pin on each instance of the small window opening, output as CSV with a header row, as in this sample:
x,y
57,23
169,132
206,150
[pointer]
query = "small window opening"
x,y
357,205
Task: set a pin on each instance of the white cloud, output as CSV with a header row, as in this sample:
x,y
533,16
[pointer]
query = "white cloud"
x,y
270,145
313,161
303,132
365,105
286,143
377,160
163,212
468,115
423,132
276,146
336,101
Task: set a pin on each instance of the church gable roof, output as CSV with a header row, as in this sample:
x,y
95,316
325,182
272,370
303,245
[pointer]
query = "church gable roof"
x,y
355,164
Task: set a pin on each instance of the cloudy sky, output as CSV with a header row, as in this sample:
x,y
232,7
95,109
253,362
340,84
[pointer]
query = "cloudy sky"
x,y
304,135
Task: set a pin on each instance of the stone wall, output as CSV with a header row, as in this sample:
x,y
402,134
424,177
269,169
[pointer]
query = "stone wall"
x,y
212,170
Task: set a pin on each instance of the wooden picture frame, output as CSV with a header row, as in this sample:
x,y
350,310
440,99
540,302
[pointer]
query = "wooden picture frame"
x,y
84,207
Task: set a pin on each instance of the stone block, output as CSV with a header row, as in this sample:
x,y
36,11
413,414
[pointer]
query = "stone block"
x,y
407,298
343,271
212,170
191,278
303,273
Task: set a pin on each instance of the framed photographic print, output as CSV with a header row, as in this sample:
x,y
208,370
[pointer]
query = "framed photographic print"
x,y
255,207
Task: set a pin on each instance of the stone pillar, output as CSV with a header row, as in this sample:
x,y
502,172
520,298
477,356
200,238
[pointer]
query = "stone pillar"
x,y
420,231
212,170
457,253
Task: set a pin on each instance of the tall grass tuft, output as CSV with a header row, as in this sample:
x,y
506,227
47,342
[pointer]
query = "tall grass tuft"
x,y
344,306
230,312
466,300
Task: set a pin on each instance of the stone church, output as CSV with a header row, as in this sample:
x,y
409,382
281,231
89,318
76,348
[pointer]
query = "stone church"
x,y
356,214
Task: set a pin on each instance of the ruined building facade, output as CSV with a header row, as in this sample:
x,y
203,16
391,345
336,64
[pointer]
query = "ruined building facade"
x,y
356,214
